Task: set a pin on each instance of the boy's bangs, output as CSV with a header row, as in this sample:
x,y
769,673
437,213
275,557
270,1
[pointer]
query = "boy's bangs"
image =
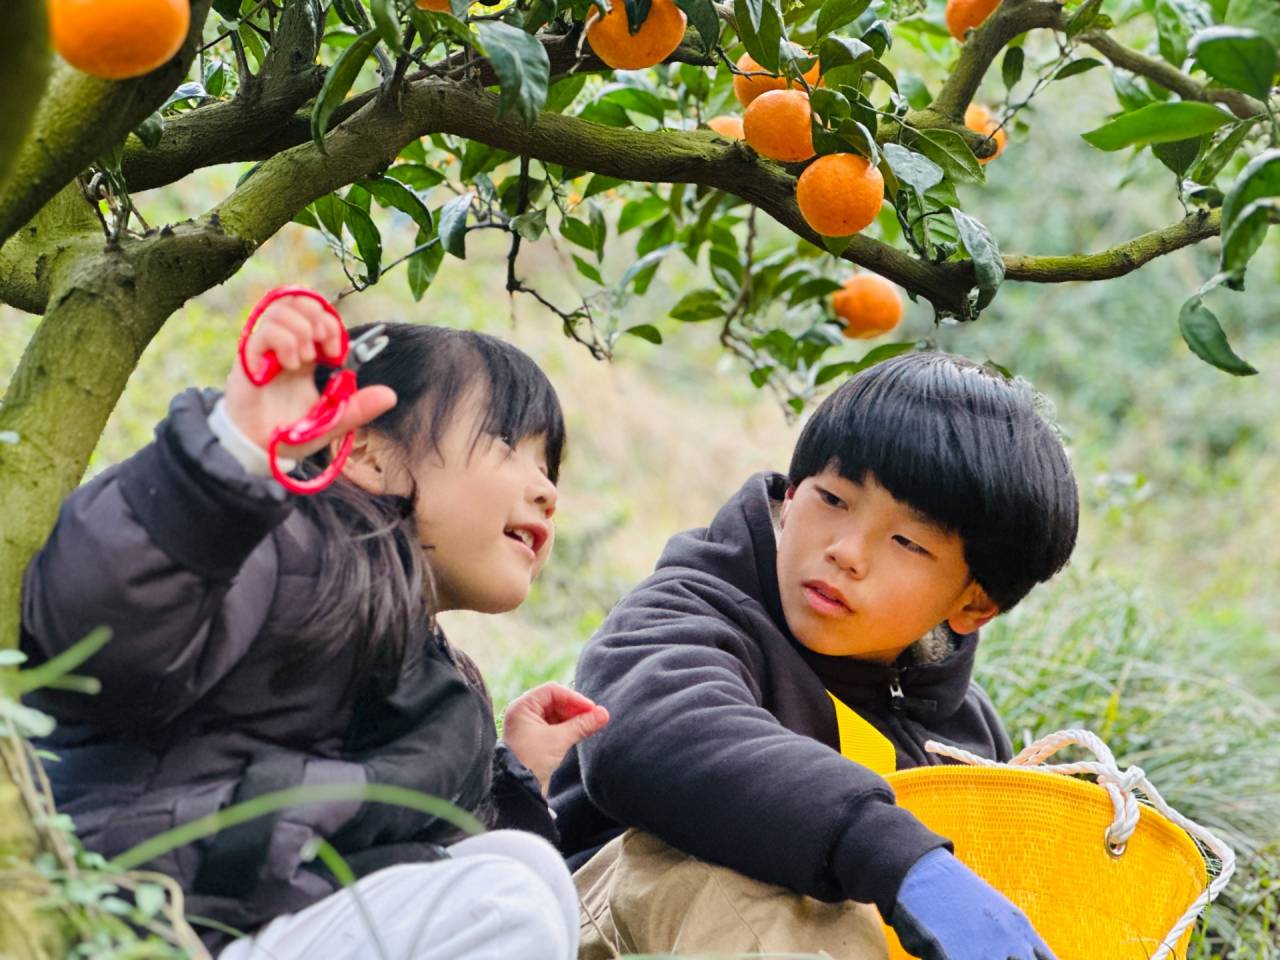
x,y
934,444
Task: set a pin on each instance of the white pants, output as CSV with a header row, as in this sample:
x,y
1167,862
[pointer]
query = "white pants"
x,y
501,895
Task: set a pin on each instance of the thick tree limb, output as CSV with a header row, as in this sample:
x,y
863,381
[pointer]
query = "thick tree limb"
x,y
226,132
24,70
79,118
1169,76
1118,260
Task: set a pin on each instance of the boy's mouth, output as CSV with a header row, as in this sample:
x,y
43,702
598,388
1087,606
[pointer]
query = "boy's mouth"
x,y
825,598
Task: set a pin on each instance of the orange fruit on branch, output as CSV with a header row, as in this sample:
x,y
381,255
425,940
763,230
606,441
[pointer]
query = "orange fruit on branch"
x,y
777,124
981,120
747,89
611,39
727,126
868,304
839,194
118,39
438,6
965,15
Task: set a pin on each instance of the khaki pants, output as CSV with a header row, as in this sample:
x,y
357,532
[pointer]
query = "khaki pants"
x,y
641,896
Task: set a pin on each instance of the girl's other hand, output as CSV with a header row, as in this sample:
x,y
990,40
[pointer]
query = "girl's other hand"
x,y
292,326
542,724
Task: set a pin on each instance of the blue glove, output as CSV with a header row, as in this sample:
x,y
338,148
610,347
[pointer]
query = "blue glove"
x,y
945,911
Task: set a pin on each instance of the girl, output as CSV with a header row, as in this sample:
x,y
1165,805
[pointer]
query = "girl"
x,y
264,641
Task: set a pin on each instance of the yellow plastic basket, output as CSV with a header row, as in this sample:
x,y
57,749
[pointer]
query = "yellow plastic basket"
x,y
1041,838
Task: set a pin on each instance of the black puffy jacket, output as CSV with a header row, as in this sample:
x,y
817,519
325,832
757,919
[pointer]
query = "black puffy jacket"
x,y
200,570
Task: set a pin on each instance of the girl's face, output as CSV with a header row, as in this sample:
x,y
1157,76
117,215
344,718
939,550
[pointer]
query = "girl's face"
x,y
484,513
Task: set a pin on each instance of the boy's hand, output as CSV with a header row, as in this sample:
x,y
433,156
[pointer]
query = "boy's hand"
x,y
292,326
945,911
542,724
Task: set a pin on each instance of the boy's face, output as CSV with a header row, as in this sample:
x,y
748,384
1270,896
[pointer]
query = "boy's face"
x,y
864,575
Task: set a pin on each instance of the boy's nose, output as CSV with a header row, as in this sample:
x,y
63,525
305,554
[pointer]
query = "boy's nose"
x,y
849,554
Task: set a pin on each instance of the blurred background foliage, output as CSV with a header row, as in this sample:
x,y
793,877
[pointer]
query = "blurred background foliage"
x,y
1164,636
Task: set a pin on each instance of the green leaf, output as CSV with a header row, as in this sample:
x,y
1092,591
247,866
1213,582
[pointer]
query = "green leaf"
x,y
872,357
1077,67
149,898
577,232
1260,178
860,138
523,70
836,52
699,305
704,19
1011,66
530,225
633,98
881,71
1260,15
988,267
879,37
637,13
760,29
587,270
563,92
645,331
394,194
949,150
1248,228
387,22
1176,21
639,212
915,90
1217,157
453,225
150,130
337,83
641,272
1241,59
1203,334
1178,155
416,175
424,264
1083,18
912,168
351,12
834,14
331,211
1158,123
368,239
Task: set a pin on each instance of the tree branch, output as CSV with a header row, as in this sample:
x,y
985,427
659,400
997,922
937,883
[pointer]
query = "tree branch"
x,y
1118,260
981,47
79,118
226,132
1169,76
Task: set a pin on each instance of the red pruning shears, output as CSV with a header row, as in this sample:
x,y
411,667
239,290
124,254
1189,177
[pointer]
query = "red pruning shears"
x,y
337,393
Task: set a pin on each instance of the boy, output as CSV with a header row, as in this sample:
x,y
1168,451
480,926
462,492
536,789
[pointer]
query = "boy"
x,y
824,617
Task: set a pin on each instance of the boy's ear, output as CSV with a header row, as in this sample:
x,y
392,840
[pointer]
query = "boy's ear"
x,y
974,609
787,499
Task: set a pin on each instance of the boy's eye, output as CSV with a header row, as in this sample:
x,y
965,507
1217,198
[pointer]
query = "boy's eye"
x,y
829,498
911,545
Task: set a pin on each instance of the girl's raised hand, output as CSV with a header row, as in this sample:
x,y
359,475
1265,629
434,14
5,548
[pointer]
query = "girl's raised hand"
x,y
293,327
541,725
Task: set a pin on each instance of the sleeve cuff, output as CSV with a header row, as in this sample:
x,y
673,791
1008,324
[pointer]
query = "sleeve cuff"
x,y
244,451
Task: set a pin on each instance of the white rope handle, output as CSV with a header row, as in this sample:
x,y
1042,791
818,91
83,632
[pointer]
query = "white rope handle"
x,y
1121,787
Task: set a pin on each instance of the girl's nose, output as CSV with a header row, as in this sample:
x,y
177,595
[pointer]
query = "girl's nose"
x,y
545,495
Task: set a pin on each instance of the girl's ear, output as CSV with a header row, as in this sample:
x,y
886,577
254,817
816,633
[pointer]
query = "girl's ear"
x,y
974,609
370,465
786,505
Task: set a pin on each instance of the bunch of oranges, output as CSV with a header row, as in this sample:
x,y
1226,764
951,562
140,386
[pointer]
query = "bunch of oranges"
x,y
118,39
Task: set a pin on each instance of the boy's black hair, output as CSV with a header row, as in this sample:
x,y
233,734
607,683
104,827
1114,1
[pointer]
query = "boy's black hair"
x,y
374,575
966,447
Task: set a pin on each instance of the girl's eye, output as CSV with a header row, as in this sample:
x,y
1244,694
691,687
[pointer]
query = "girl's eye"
x,y
911,545
829,498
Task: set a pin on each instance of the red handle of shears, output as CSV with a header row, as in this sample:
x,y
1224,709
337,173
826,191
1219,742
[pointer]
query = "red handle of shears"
x,y
320,419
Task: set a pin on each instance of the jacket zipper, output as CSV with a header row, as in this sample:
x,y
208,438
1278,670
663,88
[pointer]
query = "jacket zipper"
x,y
897,701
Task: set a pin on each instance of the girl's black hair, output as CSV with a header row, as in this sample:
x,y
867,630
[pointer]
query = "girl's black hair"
x,y
965,446
374,579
